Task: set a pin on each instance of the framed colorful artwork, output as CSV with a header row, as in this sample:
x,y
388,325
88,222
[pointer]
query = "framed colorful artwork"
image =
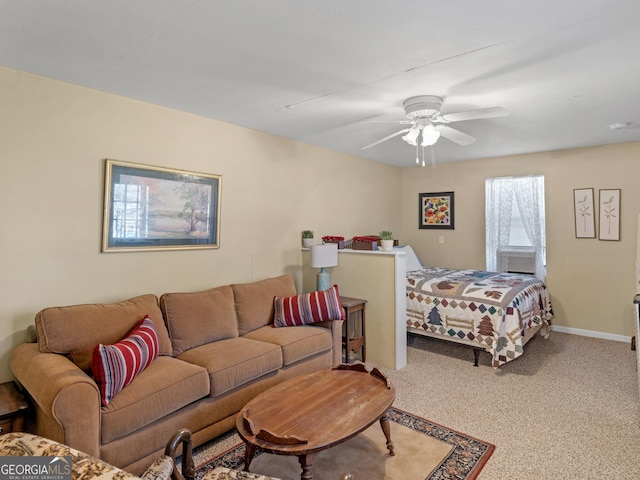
x,y
609,214
156,208
436,210
584,213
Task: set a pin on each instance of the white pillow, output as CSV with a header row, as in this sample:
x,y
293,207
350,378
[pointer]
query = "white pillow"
x,y
413,263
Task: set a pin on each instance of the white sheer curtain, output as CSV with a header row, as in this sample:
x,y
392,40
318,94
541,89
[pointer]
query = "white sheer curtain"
x,y
498,203
529,194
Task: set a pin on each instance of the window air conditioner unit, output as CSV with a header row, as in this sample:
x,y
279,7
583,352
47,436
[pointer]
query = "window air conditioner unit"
x,y
517,260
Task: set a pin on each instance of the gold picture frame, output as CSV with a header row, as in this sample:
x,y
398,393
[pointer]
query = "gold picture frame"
x,y
156,208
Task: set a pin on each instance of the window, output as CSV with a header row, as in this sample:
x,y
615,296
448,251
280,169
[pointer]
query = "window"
x,y
518,234
515,220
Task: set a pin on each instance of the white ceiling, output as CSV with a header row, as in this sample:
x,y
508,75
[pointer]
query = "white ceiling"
x,y
321,71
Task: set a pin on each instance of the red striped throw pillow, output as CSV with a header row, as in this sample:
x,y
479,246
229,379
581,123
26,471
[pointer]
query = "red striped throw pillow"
x,y
308,308
115,366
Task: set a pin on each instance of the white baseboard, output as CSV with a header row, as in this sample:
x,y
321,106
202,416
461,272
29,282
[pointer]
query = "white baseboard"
x,y
591,333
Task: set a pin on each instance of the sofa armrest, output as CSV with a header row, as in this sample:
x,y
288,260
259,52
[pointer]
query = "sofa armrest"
x,y
336,338
66,398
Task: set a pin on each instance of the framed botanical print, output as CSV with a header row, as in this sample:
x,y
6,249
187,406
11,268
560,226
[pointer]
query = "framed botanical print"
x,y
609,214
584,214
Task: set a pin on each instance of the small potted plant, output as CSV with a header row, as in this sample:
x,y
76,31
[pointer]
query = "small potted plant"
x,y
386,240
307,238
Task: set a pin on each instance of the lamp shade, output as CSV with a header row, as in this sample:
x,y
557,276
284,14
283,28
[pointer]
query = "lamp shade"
x,y
429,135
325,255
412,136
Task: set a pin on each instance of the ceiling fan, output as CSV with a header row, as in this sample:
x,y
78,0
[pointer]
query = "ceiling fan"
x,y
428,124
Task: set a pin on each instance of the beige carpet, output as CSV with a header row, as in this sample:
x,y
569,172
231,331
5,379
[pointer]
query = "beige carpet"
x,y
366,456
568,408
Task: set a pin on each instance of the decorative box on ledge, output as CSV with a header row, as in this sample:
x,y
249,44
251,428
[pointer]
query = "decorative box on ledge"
x,y
336,239
368,242
362,245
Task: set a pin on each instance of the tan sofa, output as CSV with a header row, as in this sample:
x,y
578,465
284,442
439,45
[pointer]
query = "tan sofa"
x,y
218,350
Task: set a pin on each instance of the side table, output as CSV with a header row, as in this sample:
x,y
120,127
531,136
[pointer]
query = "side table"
x,y
13,408
353,338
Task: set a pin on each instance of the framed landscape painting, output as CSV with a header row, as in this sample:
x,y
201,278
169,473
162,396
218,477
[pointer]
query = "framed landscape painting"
x,y
436,210
156,208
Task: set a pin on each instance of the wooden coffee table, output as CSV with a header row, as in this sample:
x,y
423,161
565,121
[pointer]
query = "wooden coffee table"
x,y
313,412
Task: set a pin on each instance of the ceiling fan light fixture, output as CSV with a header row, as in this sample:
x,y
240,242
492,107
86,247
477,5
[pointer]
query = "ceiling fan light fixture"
x,y
412,136
424,110
422,106
429,135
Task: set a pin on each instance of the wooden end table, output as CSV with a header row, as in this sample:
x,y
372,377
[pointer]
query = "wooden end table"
x,y
13,408
307,414
354,338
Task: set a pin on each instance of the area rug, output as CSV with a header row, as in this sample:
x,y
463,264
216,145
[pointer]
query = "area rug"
x,y
423,450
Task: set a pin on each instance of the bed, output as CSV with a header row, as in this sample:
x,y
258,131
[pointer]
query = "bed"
x,y
496,312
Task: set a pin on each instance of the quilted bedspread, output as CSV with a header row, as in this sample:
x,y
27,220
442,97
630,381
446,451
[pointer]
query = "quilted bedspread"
x,y
488,308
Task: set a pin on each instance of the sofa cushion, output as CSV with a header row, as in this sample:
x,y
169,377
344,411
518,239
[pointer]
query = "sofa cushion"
x,y
308,308
194,319
115,366
234,361
164,387
297,343
254,301
75,330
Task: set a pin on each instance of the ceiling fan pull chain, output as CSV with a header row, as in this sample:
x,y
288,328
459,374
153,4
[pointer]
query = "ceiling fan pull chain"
x,y
417,157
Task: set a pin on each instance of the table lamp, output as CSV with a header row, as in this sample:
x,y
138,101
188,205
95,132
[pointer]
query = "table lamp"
x,y
323,256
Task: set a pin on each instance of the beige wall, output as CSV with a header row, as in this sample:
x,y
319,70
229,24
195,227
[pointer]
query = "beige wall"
x,y
54,138
591,281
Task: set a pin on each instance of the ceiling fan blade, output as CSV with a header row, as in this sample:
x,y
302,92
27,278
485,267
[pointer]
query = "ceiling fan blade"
x,y
401,122
474,114
386,138
455,136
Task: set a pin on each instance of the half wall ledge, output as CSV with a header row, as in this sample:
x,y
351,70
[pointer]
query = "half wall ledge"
x,y
378,277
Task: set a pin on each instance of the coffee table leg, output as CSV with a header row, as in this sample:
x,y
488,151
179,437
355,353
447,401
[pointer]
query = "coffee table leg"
x,y
386,428
306,462
249,451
